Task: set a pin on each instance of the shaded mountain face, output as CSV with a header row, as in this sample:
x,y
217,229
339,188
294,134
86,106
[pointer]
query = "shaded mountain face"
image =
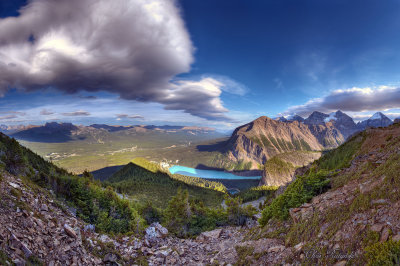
x,y
316,118
10,129
344,123
295,118
50,132
377,120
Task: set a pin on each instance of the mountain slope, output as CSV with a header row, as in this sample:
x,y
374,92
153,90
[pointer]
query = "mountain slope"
x,y
145,181
280,169
264,138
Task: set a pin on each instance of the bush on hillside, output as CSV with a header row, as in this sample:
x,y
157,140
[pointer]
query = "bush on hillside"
x,y
302,190
186,218
387,253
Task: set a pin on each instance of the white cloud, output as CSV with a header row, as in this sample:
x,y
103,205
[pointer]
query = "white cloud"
x,y
46,112
77,113
130,47
121,116
352,100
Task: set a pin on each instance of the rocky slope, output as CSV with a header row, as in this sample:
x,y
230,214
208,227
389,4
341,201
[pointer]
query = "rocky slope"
x,y
35,228
264,138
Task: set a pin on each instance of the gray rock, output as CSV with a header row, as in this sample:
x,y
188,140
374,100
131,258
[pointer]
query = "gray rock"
x,y
26,250
377,227
110,258
105,239
205,236
396,238
276,248
44,208
70,231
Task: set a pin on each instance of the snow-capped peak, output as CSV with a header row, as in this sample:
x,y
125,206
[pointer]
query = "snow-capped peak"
x,y
332,116
376,116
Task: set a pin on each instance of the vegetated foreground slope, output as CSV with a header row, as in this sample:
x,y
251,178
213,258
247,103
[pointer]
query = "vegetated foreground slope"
x,y
146,181
345,208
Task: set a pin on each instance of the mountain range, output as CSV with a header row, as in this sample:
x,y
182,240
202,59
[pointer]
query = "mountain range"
x,y
55,132
265,138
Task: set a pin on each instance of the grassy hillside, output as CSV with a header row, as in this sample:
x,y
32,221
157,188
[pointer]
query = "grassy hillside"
x,y
145,181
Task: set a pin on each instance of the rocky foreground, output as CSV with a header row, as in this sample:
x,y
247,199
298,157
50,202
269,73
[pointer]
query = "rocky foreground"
x,y
37,228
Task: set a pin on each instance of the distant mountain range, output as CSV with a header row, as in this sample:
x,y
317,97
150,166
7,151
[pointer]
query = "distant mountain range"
x,y
62,132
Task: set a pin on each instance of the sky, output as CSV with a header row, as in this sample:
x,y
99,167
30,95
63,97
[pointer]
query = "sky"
x,y
212,63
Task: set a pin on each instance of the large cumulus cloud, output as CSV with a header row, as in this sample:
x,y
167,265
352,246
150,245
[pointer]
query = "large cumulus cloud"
x,y
353,100
130,47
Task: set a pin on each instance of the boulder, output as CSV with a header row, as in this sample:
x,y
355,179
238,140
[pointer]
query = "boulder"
x,y
160,229
26,250
377,227
205,236
70,231
396,238
44,208
340,263
385,234
110,258
276,248
154,232
105,239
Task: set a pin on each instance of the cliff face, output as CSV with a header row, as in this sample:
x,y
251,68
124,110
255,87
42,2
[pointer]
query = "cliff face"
x,y
264,138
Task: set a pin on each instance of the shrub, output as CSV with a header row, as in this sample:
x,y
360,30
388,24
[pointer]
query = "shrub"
x,y
300,191
178,214
150,213
387,253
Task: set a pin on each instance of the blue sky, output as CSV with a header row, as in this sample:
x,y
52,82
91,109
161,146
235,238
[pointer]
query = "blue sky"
x,y
215,63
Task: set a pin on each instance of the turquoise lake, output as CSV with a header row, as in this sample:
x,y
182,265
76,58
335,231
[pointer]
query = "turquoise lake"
x,y
209,174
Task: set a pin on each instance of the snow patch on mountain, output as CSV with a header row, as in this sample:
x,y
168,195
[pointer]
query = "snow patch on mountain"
x,y
332,116
376,116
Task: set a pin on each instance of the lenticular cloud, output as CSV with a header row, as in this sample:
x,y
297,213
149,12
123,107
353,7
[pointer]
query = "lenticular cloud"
x,y
130,47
